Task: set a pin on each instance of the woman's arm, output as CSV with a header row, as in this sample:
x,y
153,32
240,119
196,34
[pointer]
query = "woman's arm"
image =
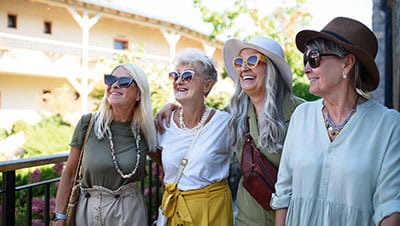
x,y
164,113
392,220
280,216
66,183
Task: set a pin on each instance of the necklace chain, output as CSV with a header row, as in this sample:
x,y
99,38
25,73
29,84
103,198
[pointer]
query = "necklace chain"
x,y
203,119
114,154
334,128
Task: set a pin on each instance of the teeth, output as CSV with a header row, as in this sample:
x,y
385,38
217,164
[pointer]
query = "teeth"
x,y
248,77
313,79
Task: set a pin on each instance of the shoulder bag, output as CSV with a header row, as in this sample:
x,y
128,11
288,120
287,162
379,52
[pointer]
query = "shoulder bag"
x,y
76,189
259,174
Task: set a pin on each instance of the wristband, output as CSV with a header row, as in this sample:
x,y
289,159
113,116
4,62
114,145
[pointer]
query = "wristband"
x,y
60,216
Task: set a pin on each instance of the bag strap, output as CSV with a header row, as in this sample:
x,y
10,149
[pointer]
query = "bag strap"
x,y
184,160
78,173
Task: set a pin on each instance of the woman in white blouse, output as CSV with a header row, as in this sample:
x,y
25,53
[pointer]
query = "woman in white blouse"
x,y
202,195
341,159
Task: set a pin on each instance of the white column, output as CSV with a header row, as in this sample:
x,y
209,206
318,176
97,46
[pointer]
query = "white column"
x,y
210,50
172,39
85,23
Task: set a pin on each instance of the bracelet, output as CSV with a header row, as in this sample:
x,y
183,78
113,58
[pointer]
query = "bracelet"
x,y
60,216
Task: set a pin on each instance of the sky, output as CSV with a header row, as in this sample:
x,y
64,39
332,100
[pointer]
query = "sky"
x,y
182,11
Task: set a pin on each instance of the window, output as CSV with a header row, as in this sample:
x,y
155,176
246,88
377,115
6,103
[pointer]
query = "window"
x,y
120,44
12,21
47,27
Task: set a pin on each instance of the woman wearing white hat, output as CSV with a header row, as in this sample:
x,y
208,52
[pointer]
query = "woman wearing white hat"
x,y
261,107
341,159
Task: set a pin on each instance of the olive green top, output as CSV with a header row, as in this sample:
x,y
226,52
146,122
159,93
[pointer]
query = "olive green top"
x,y
97,164
290,102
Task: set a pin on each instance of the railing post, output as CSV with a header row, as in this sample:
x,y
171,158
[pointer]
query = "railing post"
x,y
9,198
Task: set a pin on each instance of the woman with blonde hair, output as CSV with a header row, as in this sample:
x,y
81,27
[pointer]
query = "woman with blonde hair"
x,y
114,155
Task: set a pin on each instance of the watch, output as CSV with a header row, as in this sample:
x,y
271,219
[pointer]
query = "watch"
x,y
60,216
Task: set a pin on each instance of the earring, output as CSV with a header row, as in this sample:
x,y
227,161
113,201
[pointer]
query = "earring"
x,y
344,76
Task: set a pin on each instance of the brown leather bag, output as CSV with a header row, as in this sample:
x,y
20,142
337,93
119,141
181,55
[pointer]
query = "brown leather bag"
x,y
259,174
76,189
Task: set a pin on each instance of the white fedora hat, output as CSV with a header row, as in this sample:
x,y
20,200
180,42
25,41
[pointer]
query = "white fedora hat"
x,y
267,46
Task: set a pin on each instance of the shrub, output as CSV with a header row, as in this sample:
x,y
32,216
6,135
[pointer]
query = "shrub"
x,y
49,136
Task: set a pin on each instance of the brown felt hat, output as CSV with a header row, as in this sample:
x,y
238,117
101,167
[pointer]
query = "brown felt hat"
x,y
356,38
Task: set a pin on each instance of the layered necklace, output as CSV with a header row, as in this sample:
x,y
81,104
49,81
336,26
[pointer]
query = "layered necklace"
x,y
203,119
333,128
114,154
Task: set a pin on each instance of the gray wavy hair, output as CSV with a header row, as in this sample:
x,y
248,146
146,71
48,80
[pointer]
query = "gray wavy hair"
x,y
143,114
272,129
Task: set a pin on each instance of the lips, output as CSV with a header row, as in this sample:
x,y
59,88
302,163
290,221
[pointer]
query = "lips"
x,y
312,79
114,92
181,89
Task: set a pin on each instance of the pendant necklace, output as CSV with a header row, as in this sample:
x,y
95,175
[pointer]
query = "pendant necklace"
x,y
333,128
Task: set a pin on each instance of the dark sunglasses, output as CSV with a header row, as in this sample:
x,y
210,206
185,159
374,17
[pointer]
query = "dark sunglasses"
x,y
123,82
186,75
314,57
251,61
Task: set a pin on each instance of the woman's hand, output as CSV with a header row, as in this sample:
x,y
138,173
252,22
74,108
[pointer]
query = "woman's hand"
x,y
58,223
392,220
164,113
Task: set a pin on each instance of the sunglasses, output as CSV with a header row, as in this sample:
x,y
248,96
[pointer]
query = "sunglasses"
x,y
186,75
123,82
314,57
251,61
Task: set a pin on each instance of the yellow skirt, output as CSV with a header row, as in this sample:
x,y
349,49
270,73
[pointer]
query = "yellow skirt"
x,y
211,205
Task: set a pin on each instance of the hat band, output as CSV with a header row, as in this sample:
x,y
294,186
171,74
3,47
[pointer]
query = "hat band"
x,y
337,36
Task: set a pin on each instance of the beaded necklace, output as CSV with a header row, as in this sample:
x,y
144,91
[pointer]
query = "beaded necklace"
x,y
114,154
333,128
203,119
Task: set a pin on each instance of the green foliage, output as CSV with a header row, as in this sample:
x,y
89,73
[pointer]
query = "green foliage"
x,y
3,133
281,25
219,100
49,136
18,126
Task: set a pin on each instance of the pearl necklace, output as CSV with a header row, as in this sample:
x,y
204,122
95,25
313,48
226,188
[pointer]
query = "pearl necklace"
x,y
333,128
203,119
114,154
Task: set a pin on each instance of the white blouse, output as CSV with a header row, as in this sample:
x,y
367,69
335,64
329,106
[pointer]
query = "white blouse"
x,y
208,161
354,180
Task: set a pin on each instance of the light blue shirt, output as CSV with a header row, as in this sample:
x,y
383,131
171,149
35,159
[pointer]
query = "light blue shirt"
x,y
354,180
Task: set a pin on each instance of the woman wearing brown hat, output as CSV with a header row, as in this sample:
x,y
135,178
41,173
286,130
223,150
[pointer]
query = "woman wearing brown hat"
x,y
341,159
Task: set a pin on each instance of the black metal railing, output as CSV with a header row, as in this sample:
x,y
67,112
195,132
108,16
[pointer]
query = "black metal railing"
x,y
8,189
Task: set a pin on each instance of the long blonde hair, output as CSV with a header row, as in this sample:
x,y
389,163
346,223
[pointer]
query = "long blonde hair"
x,y
142,116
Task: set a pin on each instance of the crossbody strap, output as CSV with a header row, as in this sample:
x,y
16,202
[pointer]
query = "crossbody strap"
x,y
185,159
78,173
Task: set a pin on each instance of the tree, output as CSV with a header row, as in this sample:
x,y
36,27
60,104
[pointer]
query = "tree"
x,y
281,25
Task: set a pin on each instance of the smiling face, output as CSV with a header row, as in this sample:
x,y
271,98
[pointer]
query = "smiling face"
x,y
119,97
326,78
190,91
252,81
